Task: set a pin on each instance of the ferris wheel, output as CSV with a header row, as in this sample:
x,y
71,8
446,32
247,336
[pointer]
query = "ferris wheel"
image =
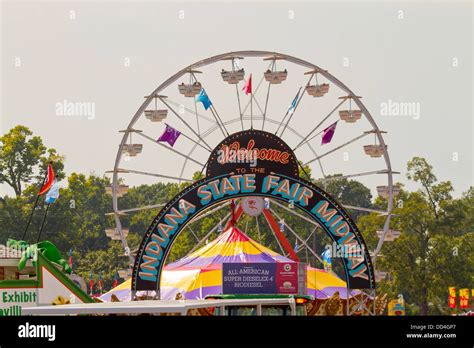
x,y
295,100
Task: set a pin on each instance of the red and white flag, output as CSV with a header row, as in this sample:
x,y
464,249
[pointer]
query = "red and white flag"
x,y
49,180
248,86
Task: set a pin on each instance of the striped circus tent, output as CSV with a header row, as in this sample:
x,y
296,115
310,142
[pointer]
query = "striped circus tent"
x,y
200,273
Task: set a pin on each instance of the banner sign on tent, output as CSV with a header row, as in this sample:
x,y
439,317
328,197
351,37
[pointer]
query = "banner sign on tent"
x,y
248,278
260,278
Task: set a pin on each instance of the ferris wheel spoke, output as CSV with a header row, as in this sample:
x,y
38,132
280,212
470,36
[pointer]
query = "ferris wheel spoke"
x,y
369,210
276,238
183,167
178,105
292,112
170,148
132,171
266,105
194,234
258,229
206,133
197,118
209,212
208,234
292,211
298,237
306,240
182,120
240,107
258,105
254,93
338,147
218,119
305,139
311,148
131,210
337,177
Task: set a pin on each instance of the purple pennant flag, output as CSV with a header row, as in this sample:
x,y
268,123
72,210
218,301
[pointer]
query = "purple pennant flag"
x,y
170,135
328,133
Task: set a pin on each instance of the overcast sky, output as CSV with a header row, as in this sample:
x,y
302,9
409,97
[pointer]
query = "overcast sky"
x,y
111,54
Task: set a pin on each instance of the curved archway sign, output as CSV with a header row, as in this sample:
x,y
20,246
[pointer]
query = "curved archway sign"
x,y
251,163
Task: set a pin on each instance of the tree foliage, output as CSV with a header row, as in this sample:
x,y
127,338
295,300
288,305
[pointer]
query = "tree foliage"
x,y
23,157
436,243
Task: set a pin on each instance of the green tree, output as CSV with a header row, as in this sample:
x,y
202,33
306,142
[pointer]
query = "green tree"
x,y
78,219
435,247
13,214
107,261
349,192
23,157
304,171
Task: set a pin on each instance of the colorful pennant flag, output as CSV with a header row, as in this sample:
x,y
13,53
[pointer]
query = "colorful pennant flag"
x,y
328,133
452,297
49,180
204,99
247,88
294,103
116,277
463,298
53,193
91,282
170,135
70,258
100,282
327,259
266,203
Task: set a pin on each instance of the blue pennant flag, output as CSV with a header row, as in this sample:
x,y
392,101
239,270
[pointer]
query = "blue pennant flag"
x,y
327,254
282,225
327,261
294,103
204,99
53,193
266,203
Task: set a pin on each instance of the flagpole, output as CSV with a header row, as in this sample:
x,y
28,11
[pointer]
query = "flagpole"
x,y
34,207
251,110
195,142
218,118
42,223
319,124
293,110
197,118
266,105
240,108
308,140
288,111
